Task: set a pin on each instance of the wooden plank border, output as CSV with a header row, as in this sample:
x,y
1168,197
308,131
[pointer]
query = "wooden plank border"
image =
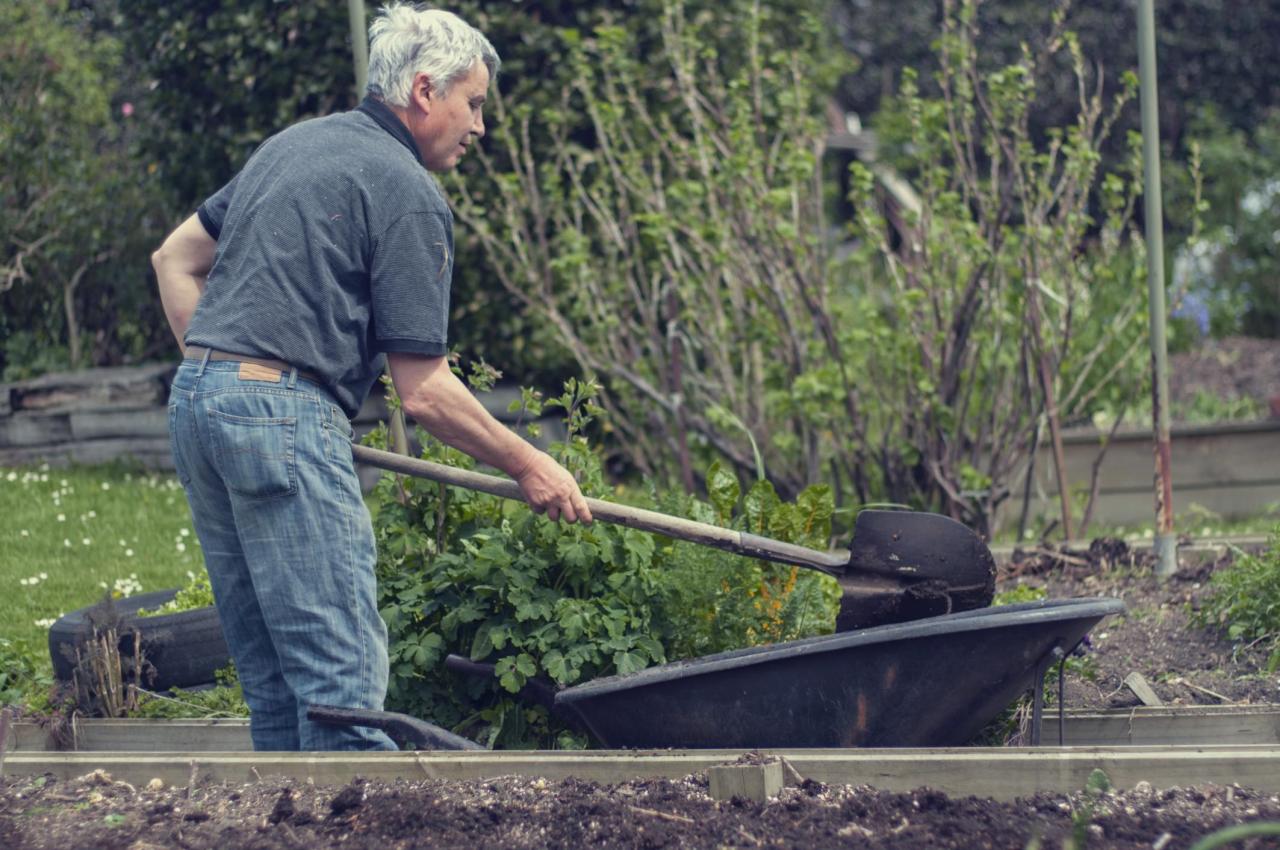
x,y
1167,725
1003,774
1210,725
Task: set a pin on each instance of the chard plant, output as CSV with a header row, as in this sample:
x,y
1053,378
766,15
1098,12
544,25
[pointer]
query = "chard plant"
x,y
469,573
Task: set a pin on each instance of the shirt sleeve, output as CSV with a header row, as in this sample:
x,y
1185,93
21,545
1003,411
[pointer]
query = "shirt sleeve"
x,y
410,277
213,212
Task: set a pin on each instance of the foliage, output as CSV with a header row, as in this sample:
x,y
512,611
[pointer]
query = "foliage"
x,y
72,280
684,257
224,699
25,676
1019,594
1243,600
468,573
196,593
1227,276
1208,53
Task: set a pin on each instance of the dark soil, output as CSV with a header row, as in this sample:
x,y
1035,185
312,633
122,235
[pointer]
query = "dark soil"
x,y
531,813
1184,664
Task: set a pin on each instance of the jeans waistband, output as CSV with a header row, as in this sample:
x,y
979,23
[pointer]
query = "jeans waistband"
x,y
198,352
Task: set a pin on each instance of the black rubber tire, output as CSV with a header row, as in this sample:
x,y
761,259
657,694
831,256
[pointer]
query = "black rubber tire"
x,y
186,648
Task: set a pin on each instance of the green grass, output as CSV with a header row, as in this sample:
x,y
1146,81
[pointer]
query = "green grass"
x,y
68,532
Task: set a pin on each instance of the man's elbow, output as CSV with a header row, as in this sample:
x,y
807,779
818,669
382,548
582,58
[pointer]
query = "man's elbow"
x,y
421,407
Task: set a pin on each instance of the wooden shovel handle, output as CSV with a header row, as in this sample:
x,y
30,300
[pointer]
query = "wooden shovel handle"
x,y
751,545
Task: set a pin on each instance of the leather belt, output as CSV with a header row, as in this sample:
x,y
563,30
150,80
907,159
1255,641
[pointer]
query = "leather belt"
x,y
197,352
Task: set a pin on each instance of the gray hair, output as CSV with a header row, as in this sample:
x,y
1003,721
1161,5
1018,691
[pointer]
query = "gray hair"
x,y
406,40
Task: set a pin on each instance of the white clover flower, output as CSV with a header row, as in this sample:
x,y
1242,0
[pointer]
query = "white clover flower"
x,y
24,533
66,543
44,478
92,514
85,541
44,576
106,485
46,623
122,543
182,547
12,476
62,517
128,553
186,532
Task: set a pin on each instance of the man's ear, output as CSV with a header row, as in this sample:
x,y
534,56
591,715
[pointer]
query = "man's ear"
x,y
422,91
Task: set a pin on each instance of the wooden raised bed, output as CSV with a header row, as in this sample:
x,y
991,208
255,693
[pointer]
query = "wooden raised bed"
x,y
1002,774
1214,725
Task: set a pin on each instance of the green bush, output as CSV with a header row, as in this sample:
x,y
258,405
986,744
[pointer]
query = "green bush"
x,y
1243,600
26,676
919,355
473,574
78,210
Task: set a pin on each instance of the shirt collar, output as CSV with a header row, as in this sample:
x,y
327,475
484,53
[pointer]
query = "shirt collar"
x,y
389,121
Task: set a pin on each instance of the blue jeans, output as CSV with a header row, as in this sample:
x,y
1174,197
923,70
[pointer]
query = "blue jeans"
x,y
288,545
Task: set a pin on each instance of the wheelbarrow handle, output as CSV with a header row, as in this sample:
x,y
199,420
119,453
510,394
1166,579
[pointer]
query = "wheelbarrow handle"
x,y
751,545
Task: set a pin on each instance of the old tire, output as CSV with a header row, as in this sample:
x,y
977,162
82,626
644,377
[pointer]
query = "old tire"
x,y
186,648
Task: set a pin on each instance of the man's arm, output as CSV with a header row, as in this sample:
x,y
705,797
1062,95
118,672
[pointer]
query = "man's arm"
x,y
442,404
182,263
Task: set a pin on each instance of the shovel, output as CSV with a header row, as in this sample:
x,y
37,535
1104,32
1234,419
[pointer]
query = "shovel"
x,y
901,565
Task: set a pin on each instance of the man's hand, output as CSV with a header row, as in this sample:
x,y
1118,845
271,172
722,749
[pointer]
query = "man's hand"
x,y
548,486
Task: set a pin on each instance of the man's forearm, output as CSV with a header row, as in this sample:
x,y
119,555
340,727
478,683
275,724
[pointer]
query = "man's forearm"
x,y
442,404
179,293
182,264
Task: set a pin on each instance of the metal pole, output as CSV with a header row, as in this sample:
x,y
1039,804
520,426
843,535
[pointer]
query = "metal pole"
x,y
359,44
360,59
1165,541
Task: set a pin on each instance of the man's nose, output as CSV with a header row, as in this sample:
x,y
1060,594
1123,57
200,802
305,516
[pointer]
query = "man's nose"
x,y
478,126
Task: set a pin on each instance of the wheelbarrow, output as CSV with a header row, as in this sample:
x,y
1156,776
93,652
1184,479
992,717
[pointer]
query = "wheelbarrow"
x,y
927,683
901,565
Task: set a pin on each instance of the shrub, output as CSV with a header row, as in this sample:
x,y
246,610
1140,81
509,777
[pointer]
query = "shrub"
x,y
472,574
686,257
77,209
1243,600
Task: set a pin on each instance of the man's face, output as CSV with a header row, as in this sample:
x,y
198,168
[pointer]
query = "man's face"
x,y
452,122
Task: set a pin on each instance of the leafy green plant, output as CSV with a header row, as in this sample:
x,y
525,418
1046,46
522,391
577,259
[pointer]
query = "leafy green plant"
x,y
1019,593
224,699
1095,787
468,573
196,593
1243,600
25,674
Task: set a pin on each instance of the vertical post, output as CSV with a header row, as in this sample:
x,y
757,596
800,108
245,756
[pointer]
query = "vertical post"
x,y
359,45
360,62
1165,542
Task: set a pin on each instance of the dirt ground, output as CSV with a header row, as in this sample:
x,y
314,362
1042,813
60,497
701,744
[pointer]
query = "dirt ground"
x,y
1183,664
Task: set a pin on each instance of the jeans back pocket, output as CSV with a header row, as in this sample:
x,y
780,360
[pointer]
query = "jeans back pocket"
x,y
255,454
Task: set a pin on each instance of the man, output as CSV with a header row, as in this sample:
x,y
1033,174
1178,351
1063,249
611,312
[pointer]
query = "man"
x,y
332,248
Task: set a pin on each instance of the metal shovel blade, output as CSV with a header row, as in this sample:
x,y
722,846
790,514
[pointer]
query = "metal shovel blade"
x,y
905,565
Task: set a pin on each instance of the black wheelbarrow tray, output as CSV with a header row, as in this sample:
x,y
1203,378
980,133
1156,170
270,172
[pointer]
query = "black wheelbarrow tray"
x,y
926,683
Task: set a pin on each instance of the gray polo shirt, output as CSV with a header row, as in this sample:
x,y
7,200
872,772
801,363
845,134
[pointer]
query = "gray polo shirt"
x,y
335,245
